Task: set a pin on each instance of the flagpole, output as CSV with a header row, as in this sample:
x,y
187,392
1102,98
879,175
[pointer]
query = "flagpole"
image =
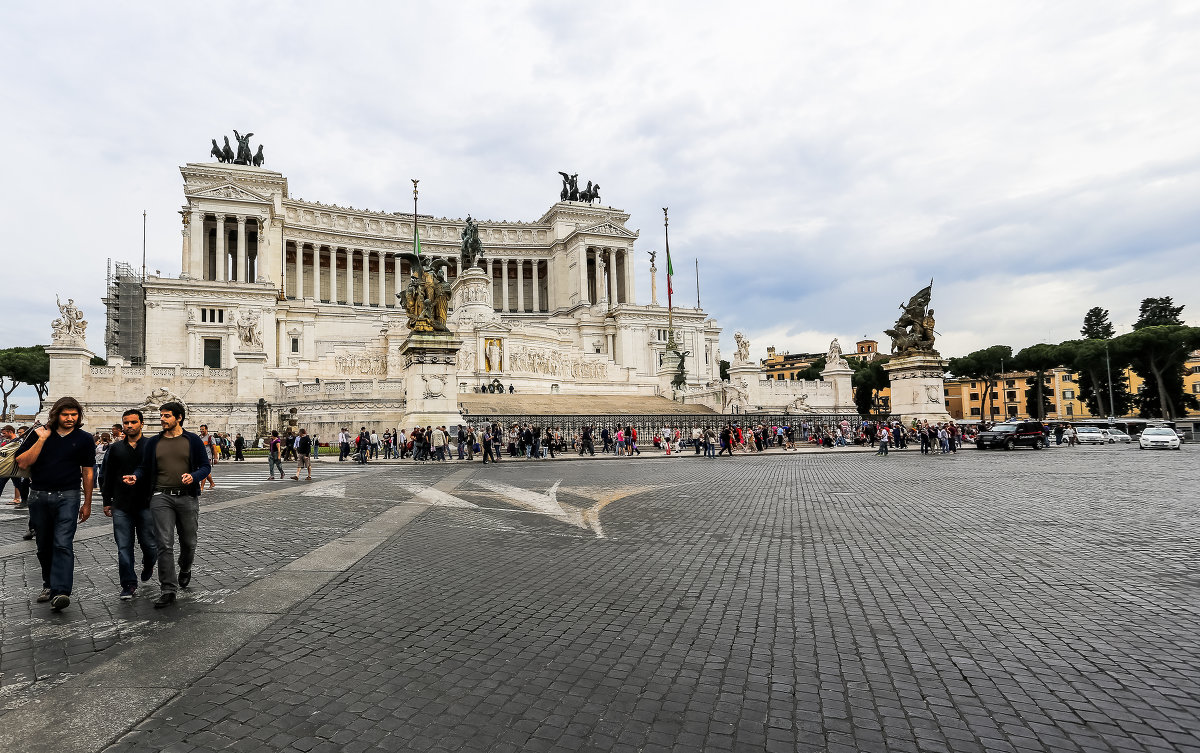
x,y
670,313
416,243
697,283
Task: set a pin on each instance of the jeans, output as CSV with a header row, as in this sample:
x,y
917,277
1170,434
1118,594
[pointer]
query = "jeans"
x,y
272,464
883,447
180,513
55,516
709,450
125,524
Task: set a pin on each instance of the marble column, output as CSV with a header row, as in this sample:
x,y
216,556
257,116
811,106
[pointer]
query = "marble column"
x,y
350,276
317,272
630,281
537,300
299,271
222,262
488,261
504,285
584,298
199,260
242,251
333,281
521,285
397,281
382,277
613,300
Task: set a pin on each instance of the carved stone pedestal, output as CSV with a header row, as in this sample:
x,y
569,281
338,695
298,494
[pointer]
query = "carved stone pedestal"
x,y
918,391
431,380
250,368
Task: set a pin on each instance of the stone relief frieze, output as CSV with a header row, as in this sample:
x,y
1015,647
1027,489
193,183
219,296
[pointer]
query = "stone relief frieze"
x,y
361,364
554,362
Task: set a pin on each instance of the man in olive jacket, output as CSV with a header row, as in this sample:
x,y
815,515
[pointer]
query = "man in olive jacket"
x,y
174,463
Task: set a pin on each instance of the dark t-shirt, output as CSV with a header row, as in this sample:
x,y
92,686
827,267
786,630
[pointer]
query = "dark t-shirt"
x,y
58,466
173,456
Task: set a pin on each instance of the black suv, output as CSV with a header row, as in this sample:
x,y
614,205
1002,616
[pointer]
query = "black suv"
x,y
1028,433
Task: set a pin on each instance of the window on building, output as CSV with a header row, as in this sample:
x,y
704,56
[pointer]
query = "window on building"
x,y
204,315
1012,411
1196,388
1194,370
1011,383
972,385
295,344
946,392
212,352
1010,395
1068,394
976,412
974,395
1070,410
1068,378
995,395
995,410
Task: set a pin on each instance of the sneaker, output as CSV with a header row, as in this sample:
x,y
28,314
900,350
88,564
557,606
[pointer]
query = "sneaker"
x,y
166,599
147,571
44,596
184,579
60,602
127,592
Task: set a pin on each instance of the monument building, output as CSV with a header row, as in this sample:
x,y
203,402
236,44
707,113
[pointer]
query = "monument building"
x,y
287,310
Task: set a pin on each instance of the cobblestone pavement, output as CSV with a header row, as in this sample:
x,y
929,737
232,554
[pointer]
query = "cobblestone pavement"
x,y
988,601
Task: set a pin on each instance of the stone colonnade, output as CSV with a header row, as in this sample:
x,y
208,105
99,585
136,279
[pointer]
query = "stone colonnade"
x,y
353,276
618,283
520,284
222,247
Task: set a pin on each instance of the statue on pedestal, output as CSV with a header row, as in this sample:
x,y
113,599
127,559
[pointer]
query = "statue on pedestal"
x,y
742,354
471,249
248,330
914,331
427,297
70,327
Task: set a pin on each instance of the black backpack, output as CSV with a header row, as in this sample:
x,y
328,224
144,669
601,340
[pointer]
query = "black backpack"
x,y
305,445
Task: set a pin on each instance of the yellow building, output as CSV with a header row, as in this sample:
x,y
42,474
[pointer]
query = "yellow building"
x,y
965,397
787,365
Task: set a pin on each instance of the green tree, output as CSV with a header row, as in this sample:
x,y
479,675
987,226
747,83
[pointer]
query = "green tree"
x,y
1093,361
868,380
812,372
724,370
1039,359
1096,325
1158,312
24,365
984,365
1157,354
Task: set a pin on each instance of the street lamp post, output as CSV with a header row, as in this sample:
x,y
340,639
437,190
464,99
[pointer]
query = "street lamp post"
x,y
1112,407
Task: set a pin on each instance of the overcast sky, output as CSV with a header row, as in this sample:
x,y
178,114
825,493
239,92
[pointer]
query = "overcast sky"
x,y
821,160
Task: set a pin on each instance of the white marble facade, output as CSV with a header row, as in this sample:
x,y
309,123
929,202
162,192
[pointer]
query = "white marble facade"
x,y
293,301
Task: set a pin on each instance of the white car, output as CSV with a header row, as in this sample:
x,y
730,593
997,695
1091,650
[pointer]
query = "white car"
x,y
1090,435
1159,438
1116,435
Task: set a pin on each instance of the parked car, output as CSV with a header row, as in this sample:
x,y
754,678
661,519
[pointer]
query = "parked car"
x,y
1116,435
1010,435
1159,438
1181,434
1090,435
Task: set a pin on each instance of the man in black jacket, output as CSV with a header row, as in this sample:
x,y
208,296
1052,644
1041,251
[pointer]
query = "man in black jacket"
x,y
129,506
173,463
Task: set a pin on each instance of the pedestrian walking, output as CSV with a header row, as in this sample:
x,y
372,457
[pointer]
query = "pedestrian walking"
x,y
175,464
129,506
303,455
210,449
274,459
60,457
885,435
10,444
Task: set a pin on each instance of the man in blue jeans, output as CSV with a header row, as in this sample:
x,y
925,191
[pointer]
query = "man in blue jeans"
x,y
129,506
60,457
173,464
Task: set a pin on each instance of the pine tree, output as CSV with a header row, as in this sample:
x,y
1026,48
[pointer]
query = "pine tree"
x,y
1096,325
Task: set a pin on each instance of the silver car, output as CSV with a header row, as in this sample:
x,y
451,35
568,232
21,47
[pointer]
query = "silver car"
x,y
1158,438
1116,435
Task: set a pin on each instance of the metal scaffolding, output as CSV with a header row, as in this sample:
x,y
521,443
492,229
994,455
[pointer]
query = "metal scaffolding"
x,y
125,328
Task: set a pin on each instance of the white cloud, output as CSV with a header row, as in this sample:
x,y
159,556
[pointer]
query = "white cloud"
x,y
822,161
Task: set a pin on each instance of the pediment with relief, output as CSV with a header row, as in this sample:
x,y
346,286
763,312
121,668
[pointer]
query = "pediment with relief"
x,y
607,228
228,190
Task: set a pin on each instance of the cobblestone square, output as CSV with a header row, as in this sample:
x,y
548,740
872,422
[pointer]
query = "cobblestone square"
x,y
985,601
